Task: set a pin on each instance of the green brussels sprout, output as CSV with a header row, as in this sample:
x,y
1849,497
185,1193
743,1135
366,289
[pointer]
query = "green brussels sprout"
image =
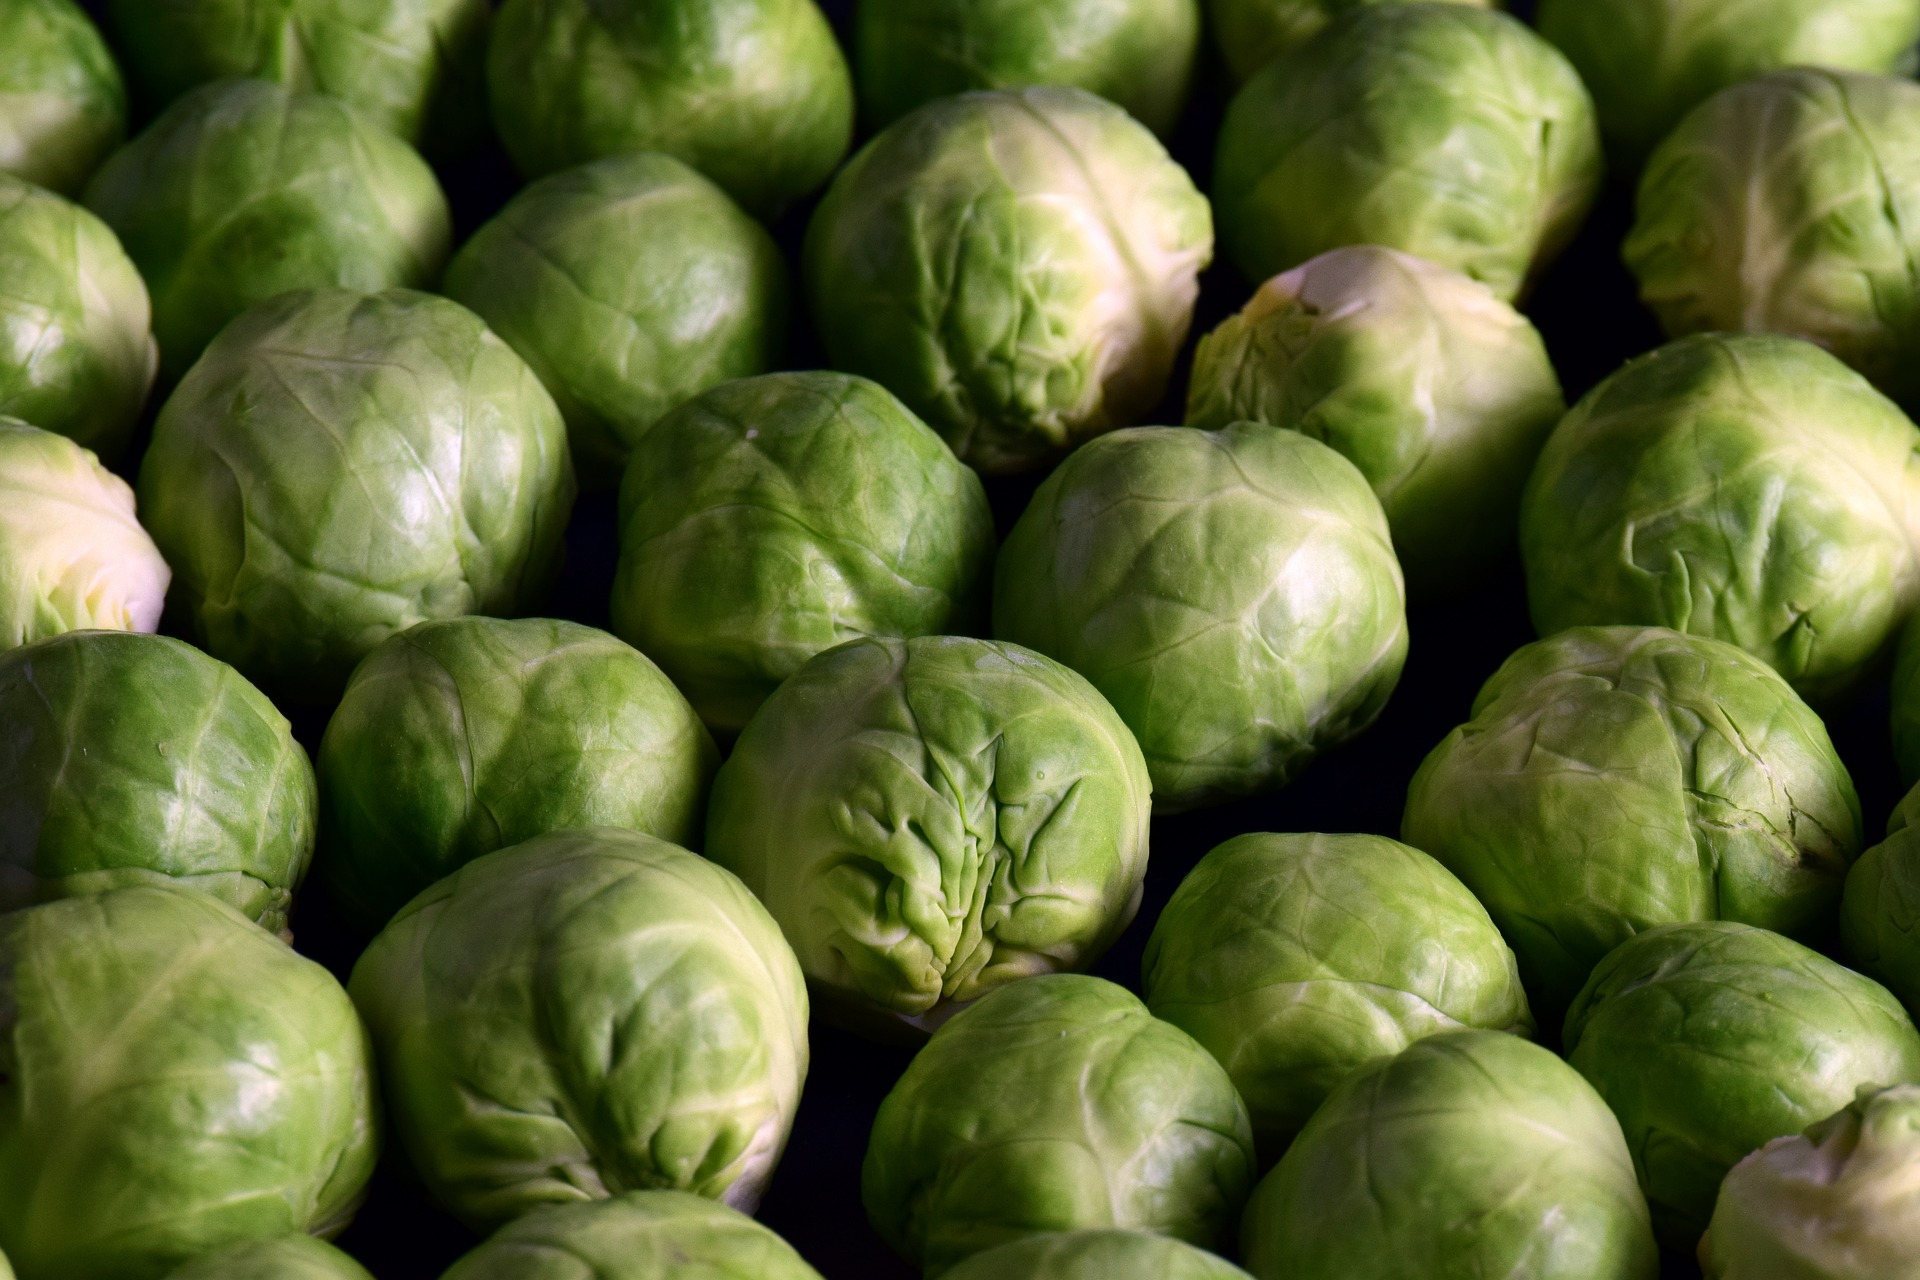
x,y
413,67
175,1080
753,93
298,1257
590,1012
1136,53
6,1268
1615,778
1441,394
1055,1104
1906,703
1649,62
1252,33
1749,488
1233,593
1296,960
640,1235
1452,133
1785,205
341,466
129,759
76,351
460,737
773,518
62,104
1471,1154
1839,1202
72,556
1019,267
1710,1038
930,819
1880,912
243,190
629,285
1096,1255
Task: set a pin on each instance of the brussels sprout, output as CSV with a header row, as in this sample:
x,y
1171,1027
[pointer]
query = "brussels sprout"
x,y
1906,703
1748,488
1711,1038
1096,1255
133,758
930,819
243,190
298,1257
1788,205
175,1080
457,738
1137,53
62,104
641,1235
1055,1104
1232,592
629,285
1471,1154
1839,1202
773,518
1615,778
1298,959
590,1012
1020,268
1252,33
1649,62
1437,390
1880,913
753,93
413,67
1449,132
72,556
76,352
341,466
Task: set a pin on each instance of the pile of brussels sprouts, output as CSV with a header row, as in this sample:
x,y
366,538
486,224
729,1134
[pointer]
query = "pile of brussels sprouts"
x,y
941,560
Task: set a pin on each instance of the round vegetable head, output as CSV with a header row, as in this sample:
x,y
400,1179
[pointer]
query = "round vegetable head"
x,y
1096,1255
297,1257
1880,913
1252,33
62,104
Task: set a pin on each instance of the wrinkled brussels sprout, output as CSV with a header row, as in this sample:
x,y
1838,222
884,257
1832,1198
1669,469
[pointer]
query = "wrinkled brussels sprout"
x,y
1437,390
1471,1154
460,737
1096,1255
1748,488
298,1257
930,819
629,285
753,93
76,352
1789,205
62,104
1839,1202
243,190
590,1012
1448,132
1137,53
1298,959
1880,913
1906,703
341,466
1649,62
192,1082
1711,1038
1055,1104
413,67
1019,267
1615,778
72,556
1233,593
641,1235
773,518
1252,33
133,758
